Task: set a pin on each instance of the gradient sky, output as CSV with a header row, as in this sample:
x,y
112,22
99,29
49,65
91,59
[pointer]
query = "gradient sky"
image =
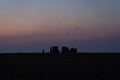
x,y
33,25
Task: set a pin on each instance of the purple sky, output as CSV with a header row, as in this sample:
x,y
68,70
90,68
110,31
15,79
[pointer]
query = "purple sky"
x,y
33,25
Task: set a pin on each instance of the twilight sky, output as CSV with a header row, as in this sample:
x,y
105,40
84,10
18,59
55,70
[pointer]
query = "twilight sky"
x,y
33,25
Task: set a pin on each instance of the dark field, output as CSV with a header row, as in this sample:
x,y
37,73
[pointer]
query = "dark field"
x,y
59,66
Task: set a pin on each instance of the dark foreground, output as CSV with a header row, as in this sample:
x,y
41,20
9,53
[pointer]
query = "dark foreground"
x,y
59,66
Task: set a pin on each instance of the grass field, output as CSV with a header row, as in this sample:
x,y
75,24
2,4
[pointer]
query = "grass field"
x,y
35,66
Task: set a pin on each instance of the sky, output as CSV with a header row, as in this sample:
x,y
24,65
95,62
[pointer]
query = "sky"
x,y
33,25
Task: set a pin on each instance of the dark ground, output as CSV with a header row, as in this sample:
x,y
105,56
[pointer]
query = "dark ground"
x,y
59,66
